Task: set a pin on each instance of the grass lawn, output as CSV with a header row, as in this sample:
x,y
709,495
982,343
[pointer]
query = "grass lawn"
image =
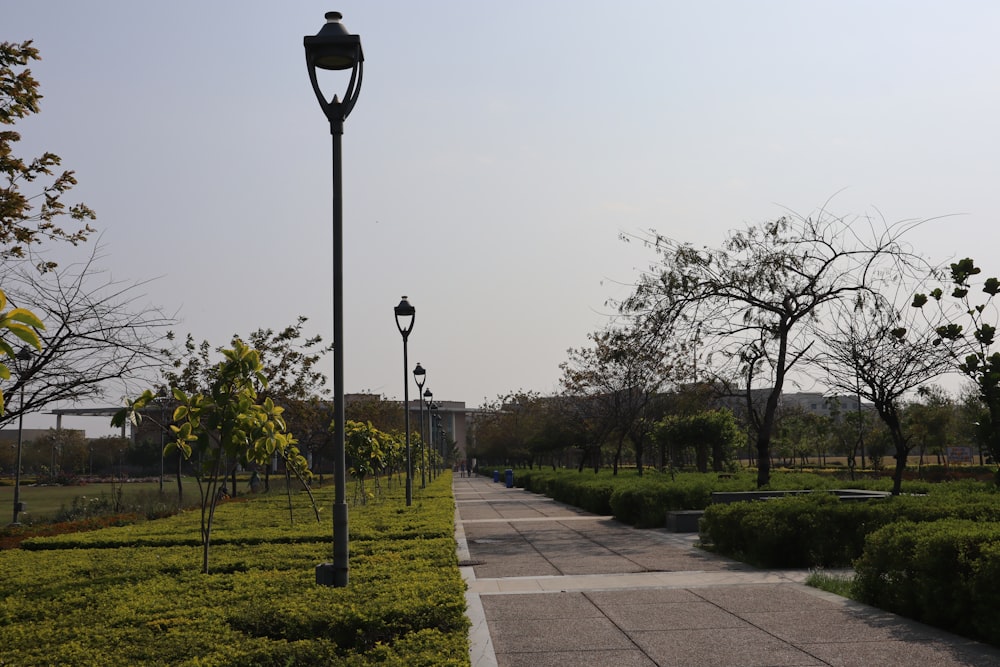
x,y
44,501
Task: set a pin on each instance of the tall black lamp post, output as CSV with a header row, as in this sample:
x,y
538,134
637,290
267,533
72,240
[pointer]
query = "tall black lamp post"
x,y
22,356
429,396
420,376
333,48
406,315
433,425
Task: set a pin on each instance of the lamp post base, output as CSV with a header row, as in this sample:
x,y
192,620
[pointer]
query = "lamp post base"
x,y
326,575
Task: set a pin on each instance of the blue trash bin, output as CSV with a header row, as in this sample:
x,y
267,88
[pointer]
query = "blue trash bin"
x,y
509,475
496,475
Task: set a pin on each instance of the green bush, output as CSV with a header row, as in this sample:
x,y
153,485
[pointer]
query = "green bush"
x,y
817,530
943,573
645,501
813,530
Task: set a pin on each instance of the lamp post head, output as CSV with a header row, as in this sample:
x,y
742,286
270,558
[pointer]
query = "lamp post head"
x,y
419,375
333,48
428,394
406,315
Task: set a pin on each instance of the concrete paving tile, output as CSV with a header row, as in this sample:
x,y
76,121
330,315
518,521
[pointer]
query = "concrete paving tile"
x,y
671,616
543,605
634,658
593,565
534,635
831,625
728,647
759,598
903,654
519,585
642,596
497,569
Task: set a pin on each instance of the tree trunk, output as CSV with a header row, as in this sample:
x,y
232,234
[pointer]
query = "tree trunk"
x,y
701,457
180,485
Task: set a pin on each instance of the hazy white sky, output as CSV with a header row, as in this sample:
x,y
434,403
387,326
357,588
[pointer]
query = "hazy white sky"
x,y
496,153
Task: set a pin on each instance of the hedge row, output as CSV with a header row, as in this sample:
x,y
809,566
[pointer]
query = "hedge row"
x,y
644,501
817,530
943,573
134,595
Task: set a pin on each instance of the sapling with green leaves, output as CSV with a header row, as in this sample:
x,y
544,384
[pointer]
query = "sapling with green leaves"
x,y
23,324
224,425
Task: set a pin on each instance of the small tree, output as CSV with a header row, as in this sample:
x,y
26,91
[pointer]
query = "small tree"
x,y
930,420
712,436
966,328
621,373
22,324
225,425
288,360
879,353
364,448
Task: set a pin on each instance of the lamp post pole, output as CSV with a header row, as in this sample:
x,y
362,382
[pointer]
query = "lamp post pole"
x,y
432,424
420,376
429,395
333,48
23,355
406,315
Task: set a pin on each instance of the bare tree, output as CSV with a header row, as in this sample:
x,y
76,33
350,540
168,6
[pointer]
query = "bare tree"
x,y
622,373
753,299
100,335
881,353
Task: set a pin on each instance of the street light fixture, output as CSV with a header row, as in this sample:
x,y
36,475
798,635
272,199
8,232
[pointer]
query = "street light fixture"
x,y
420,376
333,48
406,315
22,356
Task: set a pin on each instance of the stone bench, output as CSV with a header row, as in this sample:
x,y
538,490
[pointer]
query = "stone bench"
x,y
686,521
683,521
723,497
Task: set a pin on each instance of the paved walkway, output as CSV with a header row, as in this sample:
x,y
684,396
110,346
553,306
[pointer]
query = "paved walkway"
x,y
551,585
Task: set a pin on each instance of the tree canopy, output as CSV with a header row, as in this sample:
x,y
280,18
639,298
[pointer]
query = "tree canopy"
x,y
30,217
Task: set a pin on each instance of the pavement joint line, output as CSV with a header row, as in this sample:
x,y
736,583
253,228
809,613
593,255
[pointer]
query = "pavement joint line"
x,y
534,518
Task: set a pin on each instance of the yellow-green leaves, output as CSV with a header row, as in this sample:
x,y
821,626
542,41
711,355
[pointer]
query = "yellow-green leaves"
x,y
23,324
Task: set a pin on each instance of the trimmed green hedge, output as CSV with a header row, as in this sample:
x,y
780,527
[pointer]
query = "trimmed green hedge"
x,y
943,573
643,501
817,530
134,595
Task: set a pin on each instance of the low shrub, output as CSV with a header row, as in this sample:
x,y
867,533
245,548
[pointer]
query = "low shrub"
x,y
812,530
817,530
943,573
